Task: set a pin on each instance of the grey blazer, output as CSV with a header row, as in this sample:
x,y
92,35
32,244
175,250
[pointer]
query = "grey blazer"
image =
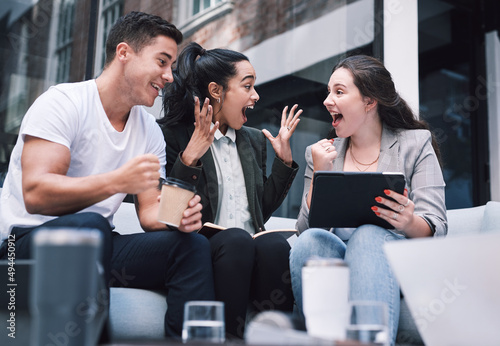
x,y
265,194
409,152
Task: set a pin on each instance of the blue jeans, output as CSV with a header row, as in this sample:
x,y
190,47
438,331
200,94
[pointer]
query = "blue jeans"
x,y
176,262
371,277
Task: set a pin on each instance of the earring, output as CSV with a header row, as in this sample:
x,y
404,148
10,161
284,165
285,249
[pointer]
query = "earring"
x,y
218,100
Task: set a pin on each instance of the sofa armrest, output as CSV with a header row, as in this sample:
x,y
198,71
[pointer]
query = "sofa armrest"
x,y
465,220
491,218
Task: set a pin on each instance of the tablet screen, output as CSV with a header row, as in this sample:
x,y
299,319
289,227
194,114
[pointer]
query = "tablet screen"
x,y
344,199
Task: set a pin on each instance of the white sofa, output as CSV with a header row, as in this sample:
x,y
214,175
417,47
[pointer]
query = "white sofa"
x,y
138,313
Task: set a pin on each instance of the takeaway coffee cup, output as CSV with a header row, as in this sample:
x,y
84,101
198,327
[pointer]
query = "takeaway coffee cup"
x,y
175,196
325,291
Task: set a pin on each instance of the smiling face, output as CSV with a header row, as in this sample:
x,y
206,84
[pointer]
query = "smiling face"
x,y
148,70
239,96
345,104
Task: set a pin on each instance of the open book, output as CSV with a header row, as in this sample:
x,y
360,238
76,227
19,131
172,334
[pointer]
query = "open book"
x,y
209,229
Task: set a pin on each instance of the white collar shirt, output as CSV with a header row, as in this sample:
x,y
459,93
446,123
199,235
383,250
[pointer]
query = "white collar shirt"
x,y
232,208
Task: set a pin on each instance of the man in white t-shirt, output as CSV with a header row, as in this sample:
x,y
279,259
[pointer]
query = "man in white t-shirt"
x,y
82,147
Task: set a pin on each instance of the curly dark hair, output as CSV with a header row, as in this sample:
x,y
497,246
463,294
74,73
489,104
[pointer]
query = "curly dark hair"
x,y
196,69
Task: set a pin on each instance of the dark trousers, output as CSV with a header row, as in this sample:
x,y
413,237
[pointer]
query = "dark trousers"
x,y
170,260
250,273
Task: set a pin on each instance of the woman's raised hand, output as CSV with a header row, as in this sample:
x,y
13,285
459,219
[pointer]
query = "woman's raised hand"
x,y
323,153
281,143
203,135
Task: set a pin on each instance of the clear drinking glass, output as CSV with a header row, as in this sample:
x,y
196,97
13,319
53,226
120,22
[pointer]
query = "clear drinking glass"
x,y
368,323
204,322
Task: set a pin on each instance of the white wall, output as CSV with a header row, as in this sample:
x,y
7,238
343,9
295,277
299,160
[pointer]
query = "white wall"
x,y
401,47
492,92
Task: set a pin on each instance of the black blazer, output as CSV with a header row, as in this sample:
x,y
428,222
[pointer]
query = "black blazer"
x,y
265,194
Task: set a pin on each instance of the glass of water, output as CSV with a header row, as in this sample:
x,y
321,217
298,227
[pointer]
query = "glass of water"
x,y
204,322
368,323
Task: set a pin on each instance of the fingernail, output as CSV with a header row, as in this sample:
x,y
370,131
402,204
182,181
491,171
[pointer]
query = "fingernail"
x,y
378,199
374,208
387,192
377,213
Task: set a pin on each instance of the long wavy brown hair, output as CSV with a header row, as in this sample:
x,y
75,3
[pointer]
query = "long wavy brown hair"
x,y
374,81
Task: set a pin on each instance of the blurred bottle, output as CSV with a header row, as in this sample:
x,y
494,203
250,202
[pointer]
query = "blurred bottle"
x,y
65,287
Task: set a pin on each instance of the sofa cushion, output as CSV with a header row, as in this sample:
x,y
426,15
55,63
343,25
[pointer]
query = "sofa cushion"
x,y
491,218
136,314
126,220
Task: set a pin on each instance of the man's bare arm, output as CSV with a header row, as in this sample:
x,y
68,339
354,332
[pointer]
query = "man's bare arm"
x,y
48,191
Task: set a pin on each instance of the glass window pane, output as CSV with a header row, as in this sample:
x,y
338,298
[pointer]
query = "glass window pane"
x,y
109,15
196,6
445,81
64,40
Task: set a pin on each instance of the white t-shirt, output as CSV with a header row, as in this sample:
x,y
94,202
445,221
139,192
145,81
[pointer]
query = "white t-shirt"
x,y
72,115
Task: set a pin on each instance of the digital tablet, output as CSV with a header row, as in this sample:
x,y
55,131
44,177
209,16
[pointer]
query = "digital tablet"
x,y
344,199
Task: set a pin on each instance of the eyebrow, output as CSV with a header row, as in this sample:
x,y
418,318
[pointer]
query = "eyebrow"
x,y
339,84
167,55
248,77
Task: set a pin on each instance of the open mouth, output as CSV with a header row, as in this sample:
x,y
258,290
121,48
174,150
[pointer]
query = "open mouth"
x,y
337,117
244,112
157,87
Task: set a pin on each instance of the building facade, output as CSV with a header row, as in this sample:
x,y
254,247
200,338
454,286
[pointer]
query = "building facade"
x,y
444,56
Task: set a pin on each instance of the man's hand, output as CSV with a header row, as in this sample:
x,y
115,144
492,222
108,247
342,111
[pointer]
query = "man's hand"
x,y
138,174
191,218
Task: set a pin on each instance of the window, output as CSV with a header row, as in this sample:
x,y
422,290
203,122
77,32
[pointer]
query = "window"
x,y
64,39
194,14
451,99
202,5
111,10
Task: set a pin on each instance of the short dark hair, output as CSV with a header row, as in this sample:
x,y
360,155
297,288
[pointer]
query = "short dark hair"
x,y
138,29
